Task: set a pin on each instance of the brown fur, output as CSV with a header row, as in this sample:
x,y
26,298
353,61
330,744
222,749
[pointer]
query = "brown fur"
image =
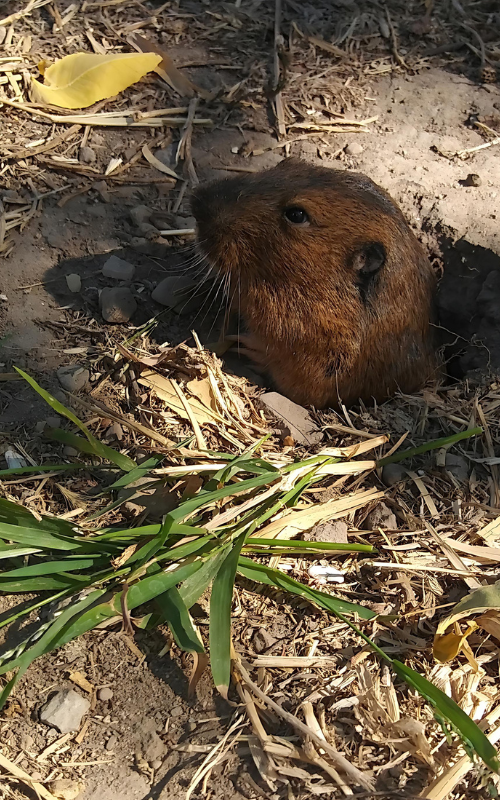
x,y
324,334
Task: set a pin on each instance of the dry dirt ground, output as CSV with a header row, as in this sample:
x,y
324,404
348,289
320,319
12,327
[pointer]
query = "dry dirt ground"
x,y
421,117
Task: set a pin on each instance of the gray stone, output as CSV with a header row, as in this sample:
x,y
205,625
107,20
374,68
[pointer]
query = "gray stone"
x,y
334,531
117,304
176,711
458,466
53,422
73,377
162,221
86,155
118,269
140,214
105,694
393,474
174,291
112,742
70,452
354,149
381,517
64,710
294,420
74,282
156,764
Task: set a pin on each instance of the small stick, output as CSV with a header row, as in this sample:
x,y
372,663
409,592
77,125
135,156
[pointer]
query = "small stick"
x,y
394,42
337,758
278,99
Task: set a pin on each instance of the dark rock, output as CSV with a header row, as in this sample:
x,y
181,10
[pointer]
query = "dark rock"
x,y
118,269
117,304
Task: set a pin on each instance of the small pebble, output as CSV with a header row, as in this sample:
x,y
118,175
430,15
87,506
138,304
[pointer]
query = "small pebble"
x,y
177,711
190,726
354,149
14,460
87,155
66,789
70,452
112,742
105,694
74,282
117,304
53,422
73,377
156,764
173,291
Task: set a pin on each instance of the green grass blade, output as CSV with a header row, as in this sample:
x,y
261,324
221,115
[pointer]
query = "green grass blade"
x,y
14,514
220,618
193,587
461,722
300,544
173,610
124,462
446,441
42,583
273,577
85,446
205,498
5,473
35,537
54,567
8,551
135,474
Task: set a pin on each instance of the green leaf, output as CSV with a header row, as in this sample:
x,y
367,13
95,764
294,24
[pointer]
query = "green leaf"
x,y
53,567
103,451
300,544
446,441
193,587
466,727
85,446
273,577
37,537
174,612
220,618
204,498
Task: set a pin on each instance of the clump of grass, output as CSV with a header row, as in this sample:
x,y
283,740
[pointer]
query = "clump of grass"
x,y
164,568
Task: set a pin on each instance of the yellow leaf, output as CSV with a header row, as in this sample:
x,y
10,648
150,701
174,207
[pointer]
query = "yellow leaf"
x,y
82,79
447,646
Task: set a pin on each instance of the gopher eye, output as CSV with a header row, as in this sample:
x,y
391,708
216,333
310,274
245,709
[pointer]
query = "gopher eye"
x,y
296,215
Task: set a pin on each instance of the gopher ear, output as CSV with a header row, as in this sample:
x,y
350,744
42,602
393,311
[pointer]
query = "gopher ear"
x,y
369,258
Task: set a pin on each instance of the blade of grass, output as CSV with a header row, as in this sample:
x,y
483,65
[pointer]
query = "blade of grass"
x,y
173,610
300,544
220,618
193,587
446,441
273,577
124,462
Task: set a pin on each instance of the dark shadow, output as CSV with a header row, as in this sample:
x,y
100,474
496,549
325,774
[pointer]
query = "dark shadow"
x,y
469,308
